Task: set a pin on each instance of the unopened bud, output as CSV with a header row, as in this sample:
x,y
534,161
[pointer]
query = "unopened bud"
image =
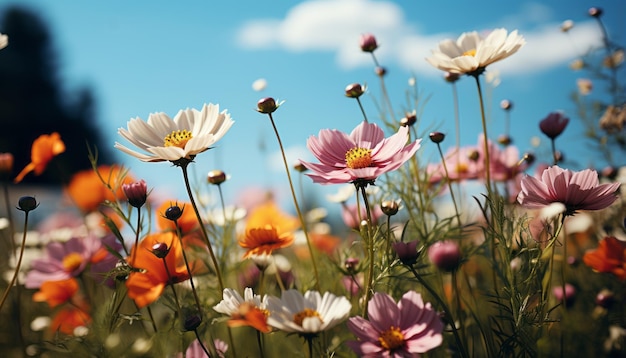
x,y
192,322
267,105
409,119
437,137
160,250
354,90
380,71
136,193
504,140
174,212
368,43
27,203
506,105
451,77
595,12
299,167
351,264
216,177
389,207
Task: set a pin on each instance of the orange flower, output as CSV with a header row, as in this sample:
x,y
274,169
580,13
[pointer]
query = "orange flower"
x,y
147,284
44,148
187,220
268,229
87,190
56,292
610,256
68,319
249,315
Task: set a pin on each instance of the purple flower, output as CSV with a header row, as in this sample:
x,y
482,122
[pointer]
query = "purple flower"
x,y
68,259
368,43
406,251
446,255
136,193
408,328
576,190
554,124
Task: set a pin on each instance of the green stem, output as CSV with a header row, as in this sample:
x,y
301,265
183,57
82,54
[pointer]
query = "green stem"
x,y
370,250
19,261
362,109
445,169
297,206
486,137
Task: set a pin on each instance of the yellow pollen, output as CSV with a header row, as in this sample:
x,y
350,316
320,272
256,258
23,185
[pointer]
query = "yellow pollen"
x,y
357,158
391,339
72,261
178,138
300,316
462,168
471,52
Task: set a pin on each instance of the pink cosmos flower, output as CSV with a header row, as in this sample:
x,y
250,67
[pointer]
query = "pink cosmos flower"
x,y
503,163
462,164
407,329
363,155
576,190
68,259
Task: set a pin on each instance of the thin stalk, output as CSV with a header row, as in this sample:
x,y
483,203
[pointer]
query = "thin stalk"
x,y
445,169
19,261
218,272
137,229
182,249
362,109
297,206
486,138
370,251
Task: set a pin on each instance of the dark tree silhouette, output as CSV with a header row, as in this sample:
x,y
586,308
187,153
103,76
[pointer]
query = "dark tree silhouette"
x,y
33,101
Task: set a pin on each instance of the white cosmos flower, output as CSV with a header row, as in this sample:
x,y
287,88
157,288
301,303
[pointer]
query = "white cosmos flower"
x,y
471,53
232,300
307,314
189,133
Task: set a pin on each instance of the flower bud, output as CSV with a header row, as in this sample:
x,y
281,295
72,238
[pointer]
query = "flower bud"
x,y
27,203
409,119
380,71
473,155
570,294
368,43
216,177
505,140
554,124
174,212
354,90
506,105
595,12
299,167
267,105
389,207
6,163
567,25
437,137
605,298
445,255
609,172
160,250
406,251
451,77
351,264
529,158
136,193
192,322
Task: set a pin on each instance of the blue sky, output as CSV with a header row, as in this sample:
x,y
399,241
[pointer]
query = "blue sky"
x,y
142,57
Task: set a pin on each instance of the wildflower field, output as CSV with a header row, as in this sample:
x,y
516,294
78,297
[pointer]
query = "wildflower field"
x,y
486,252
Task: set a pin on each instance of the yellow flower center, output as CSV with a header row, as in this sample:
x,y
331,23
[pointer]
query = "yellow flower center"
x,y
300,316
357,158
471,52
178,138
391,338
72,261
462,168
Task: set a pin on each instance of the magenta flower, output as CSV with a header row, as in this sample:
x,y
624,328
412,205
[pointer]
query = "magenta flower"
x,y
554,124
368,43
409,328
362,156
576,190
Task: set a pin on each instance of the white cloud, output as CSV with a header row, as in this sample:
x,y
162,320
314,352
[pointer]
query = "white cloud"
x,y
335,26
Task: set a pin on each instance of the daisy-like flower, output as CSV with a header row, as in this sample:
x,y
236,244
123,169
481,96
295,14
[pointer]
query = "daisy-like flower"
x,y
471,53
576,190
407,329
610,256
44,148
244,311
190,132
362,156
268,229
307,314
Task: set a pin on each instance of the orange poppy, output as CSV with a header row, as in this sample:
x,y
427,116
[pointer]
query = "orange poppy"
x,y
610,256
268,229
187,220
249,315
147,284
56,292
88,191
44,148
68,319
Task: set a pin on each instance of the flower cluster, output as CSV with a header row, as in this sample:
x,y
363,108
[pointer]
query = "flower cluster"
x,y
484,251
